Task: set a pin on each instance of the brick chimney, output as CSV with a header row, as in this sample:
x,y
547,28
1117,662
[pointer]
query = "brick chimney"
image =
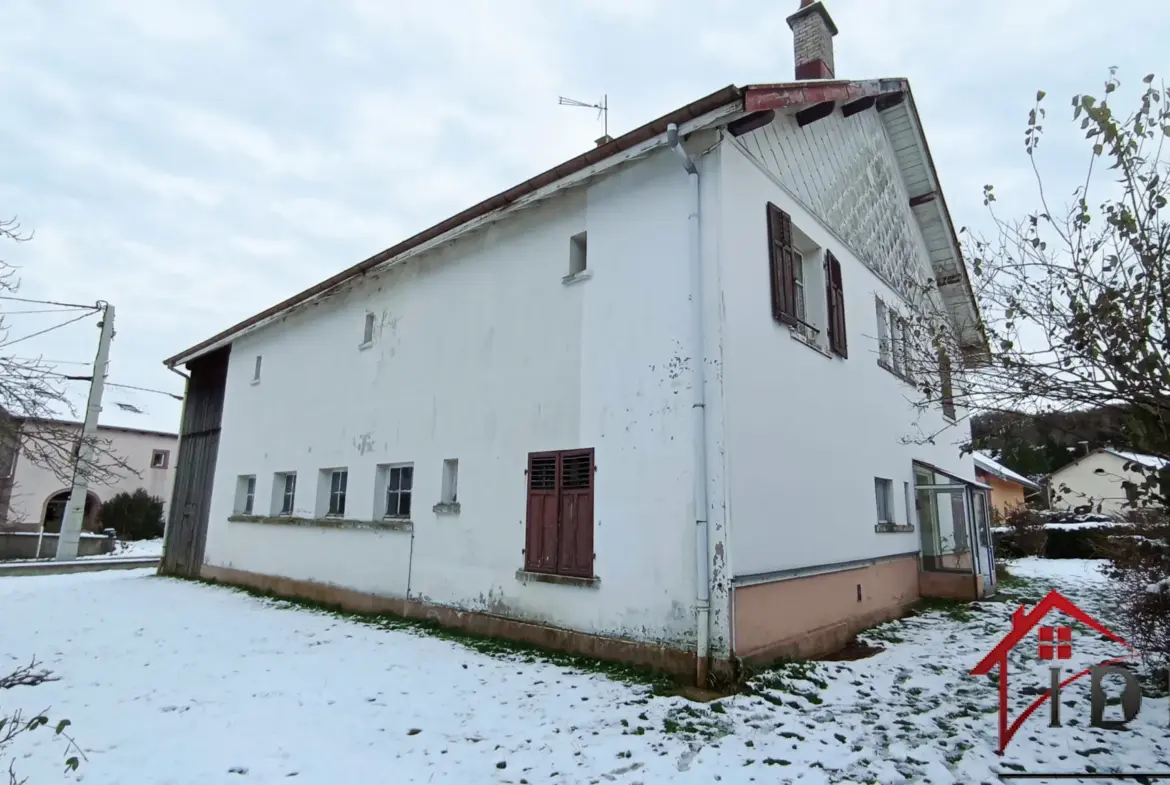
x,y
812,33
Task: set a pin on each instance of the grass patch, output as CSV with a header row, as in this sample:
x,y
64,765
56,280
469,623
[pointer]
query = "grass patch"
x,y
659,682
956,610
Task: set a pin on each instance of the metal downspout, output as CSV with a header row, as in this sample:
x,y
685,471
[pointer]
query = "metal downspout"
x,y
699,417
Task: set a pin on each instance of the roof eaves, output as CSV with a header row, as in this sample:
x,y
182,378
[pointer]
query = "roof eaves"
x,y
979,350
692,111
783,95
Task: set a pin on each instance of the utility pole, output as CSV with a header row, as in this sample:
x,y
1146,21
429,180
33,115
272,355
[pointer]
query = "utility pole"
x,y
70,536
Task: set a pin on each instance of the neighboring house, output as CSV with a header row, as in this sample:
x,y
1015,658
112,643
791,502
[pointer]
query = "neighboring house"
x,y
1008,488
635,406
36,494
1097,479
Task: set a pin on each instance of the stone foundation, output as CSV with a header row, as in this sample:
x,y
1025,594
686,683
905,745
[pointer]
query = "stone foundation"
x,y
677,663
951,585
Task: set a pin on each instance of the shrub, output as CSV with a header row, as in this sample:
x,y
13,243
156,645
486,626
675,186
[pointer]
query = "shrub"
x,y
134,516
1027,536
1137,564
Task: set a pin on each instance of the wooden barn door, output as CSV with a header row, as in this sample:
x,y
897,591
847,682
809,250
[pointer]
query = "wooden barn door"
x,y
186,533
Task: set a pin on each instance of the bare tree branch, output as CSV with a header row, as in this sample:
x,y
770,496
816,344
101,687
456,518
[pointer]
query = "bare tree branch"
x,y
32,401
1075,301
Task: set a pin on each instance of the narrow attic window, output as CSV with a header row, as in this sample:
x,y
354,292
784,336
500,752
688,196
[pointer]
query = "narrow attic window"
x,y
256,371
368,331
578,258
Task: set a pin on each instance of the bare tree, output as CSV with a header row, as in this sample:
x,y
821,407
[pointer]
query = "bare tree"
x,y
32,401
1074,298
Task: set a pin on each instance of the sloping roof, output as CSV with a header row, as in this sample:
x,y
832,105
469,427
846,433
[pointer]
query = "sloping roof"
x,y
723,106
1150,461
991,466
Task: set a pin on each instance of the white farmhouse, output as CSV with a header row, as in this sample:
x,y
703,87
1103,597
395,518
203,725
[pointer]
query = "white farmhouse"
x,y
31,494
633,407
1096,482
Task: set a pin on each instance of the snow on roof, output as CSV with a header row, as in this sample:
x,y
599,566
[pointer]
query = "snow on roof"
x,y
1151,461
991,466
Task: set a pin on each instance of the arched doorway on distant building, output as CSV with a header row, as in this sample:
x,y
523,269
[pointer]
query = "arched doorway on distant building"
x,y
55,512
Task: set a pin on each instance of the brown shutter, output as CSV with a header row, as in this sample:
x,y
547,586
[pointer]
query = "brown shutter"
x,y
576,534
540,549
782,265
947,385
835,292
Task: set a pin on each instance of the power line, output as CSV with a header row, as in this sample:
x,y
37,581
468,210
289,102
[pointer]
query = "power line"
x,y
50,362
49,302
49,310
145,389
47,329
67,377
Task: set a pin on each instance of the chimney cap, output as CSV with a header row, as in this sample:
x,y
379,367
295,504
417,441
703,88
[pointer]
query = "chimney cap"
x,y
808,7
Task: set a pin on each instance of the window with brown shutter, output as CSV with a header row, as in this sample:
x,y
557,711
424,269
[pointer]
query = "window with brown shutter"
x,y
835,293
946,385
559,537
782,261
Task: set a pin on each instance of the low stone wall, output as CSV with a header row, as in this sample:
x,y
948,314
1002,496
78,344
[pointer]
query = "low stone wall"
x,y
23,545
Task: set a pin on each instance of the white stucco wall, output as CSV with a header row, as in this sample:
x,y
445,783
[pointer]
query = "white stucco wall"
x,y
805,434
482,354
1086,486
33,485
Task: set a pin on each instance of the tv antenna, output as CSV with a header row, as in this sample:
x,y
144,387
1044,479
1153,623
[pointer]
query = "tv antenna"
x,y
601,106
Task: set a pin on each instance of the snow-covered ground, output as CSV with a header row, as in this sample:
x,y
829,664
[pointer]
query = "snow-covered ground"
x,y
135,549
122,550
168,681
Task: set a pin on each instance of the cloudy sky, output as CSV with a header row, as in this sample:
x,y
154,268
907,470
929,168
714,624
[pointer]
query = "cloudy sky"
x,y
195,161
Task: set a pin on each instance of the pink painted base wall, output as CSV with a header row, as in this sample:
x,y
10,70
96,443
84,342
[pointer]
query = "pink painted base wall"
x,y
809,617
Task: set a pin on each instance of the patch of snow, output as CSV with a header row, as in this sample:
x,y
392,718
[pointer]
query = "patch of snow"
x,y
132,549
988,464
168,680
1159,586
1149,461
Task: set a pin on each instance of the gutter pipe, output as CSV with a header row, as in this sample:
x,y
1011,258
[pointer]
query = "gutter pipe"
x,y
699,417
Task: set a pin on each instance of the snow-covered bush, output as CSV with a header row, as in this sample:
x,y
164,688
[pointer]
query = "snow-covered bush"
x,y
1138,567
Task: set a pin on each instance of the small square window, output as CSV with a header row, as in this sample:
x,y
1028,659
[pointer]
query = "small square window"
x,y
578,253
256,370
395,490
284,493
160,459
450,491
368,330
245,494
884,494
338,479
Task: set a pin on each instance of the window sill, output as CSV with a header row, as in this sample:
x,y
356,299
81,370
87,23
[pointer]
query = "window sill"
x,y
572,278
891,369
893,528
365,345
799,336
525,576
393,525
254,382
446,508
